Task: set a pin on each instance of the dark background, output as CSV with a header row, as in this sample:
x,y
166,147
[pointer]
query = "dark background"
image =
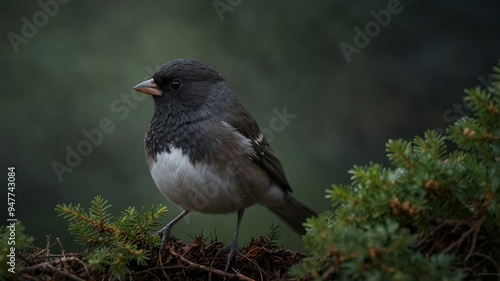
x,y
85,58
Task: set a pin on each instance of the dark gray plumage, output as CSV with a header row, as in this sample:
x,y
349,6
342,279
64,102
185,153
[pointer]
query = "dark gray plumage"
x,y
206,153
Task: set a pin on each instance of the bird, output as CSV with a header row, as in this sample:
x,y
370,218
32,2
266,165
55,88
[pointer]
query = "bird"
x,y
207,154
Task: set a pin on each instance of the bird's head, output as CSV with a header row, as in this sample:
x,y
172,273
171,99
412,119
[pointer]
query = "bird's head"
x,y
186,85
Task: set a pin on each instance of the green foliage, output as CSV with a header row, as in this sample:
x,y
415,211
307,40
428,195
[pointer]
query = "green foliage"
x,y
273,235
432,215
12,237
118,241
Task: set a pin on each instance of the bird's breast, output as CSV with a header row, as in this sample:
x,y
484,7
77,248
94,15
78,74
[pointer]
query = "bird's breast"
x,y
197,186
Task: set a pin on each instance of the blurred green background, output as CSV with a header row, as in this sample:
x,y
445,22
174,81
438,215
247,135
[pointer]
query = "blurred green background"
x,y
84,57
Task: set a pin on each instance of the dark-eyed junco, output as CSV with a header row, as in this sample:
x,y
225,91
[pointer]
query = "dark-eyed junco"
x,y
207,154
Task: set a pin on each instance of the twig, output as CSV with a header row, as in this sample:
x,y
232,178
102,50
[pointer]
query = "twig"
x,y
209,270
63,253
257,266
48,266
477,227
161,267
47,247
488,258
464,235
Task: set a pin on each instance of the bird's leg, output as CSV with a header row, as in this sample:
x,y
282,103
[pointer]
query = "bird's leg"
x,y
232,248
165,231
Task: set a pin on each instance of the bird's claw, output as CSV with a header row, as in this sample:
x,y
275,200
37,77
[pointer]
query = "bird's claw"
x,y
164,233
232,250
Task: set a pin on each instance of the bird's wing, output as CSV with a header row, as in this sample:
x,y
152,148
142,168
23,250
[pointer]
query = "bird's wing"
x,y
244,123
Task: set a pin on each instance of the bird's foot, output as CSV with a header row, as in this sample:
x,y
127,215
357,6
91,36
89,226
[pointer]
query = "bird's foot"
x,y
164,233
232,250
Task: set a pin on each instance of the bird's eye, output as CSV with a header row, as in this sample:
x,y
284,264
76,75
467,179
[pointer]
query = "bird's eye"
x,y
175,84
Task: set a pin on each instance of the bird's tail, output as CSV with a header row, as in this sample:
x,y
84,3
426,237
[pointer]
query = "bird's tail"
x,y
291,210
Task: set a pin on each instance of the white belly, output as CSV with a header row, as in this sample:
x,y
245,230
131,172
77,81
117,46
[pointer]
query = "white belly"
x,y
196,187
